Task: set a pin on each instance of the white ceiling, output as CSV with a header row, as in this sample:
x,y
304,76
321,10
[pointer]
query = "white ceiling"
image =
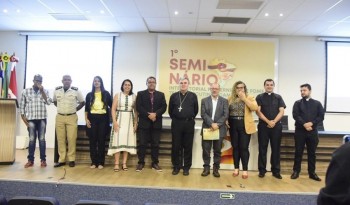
x,y
300,17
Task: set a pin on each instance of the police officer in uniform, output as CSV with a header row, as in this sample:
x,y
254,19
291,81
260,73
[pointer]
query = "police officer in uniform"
x,y
68,101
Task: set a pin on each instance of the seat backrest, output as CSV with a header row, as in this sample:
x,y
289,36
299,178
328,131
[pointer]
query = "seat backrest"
x,y
90,202
320,126
160,204
30,200
284,122
3,200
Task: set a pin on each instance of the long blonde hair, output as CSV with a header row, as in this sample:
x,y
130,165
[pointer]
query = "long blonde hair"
x,y
233,97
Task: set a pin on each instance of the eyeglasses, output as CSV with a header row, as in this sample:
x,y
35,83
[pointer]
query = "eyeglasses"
x,y
214,88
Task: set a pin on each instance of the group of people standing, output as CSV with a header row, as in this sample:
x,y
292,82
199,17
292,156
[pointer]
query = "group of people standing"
x,y
137,121
238,110
68,100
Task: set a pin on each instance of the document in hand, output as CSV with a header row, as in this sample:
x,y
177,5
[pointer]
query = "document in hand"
x,y
209,134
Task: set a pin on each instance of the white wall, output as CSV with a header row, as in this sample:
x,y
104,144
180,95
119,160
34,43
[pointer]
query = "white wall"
x,y
301,60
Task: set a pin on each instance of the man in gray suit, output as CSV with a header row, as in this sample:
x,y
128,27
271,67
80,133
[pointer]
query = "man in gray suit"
x,y
214,112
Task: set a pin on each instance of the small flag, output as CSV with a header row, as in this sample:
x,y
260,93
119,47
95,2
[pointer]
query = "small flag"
x,y
13,79
5,58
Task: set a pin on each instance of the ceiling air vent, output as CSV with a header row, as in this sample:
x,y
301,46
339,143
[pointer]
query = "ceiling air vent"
x,y
234,20
239,4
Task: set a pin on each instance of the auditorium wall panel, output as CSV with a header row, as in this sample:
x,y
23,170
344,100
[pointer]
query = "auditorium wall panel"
x,y
301,60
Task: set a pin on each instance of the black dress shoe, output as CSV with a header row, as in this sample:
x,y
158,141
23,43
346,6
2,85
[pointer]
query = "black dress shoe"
x,y
71,164
277,175
295,175
186,172
205,172
60,164
216,172
175,171
261,174
314,177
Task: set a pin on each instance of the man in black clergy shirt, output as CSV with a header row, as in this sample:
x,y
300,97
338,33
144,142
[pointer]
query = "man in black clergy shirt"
x,y
183,108
307,113
270,111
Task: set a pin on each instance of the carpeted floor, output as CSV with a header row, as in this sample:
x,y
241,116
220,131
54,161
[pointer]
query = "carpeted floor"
x,y
68,194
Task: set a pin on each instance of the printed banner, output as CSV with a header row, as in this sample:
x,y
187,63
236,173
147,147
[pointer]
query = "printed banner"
x,y
207,60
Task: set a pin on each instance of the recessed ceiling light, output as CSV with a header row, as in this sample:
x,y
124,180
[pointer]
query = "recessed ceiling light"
x,y
18,11
266,14
176,12
5,10
281,14
102,11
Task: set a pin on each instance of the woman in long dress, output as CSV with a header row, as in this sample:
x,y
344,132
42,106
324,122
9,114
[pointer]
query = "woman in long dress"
x,y
123,133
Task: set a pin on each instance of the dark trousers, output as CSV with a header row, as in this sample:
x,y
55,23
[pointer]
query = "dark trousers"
x,y
97,136
273,135
240,142
182,140
206,146
37,129
144,136
301,138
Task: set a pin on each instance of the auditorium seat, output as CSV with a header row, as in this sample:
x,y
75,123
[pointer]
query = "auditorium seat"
x,y
160,204
346,139
92,202
320,126
31,200
284,122
3,200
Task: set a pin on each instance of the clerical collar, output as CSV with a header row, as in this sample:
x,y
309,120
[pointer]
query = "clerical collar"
x,y
307,99
183,93
268,93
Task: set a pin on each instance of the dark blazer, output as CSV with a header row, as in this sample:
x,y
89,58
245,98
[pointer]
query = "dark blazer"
x,y
144,106
220,117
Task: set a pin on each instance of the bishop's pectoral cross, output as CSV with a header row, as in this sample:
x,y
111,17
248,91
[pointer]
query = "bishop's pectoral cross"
x,y
180,108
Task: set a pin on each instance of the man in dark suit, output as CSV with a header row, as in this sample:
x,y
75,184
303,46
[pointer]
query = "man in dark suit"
x,y
214,112
150,105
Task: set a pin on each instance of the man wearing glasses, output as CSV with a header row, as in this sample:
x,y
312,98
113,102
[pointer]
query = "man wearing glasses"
x,y
33,113
150,106
270,111
214,112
